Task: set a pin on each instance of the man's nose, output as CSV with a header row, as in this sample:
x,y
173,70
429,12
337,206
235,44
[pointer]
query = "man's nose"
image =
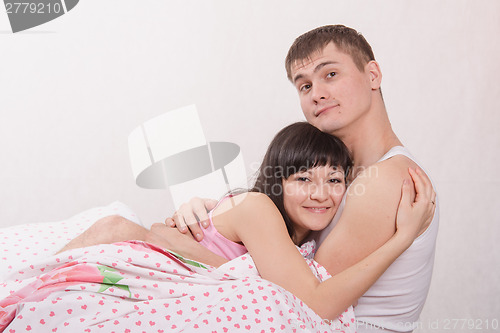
x,y
319,92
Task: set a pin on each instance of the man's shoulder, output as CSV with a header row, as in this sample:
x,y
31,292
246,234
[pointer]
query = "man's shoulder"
x,y
373,197
369,214
396,162
391,170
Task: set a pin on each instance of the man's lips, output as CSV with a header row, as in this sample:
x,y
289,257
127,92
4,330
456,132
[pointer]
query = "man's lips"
x,y
324,109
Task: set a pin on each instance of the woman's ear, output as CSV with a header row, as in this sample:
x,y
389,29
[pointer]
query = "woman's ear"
x,y
375,75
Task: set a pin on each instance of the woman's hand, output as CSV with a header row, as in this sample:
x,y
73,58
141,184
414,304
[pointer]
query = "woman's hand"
x,y
190,215
413,218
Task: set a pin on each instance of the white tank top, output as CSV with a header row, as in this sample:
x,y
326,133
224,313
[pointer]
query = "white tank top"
x,y
395,301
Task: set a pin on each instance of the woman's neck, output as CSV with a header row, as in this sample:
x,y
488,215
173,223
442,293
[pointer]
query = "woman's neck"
x,y
299,237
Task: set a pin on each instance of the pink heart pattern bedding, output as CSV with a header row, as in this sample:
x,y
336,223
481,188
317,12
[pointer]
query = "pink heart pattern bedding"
x,y
137,287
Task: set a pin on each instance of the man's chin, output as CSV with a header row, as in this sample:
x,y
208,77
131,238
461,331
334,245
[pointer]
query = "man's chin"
x,y
332,129
328,126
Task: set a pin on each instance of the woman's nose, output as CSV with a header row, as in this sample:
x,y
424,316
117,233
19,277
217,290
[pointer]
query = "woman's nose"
x,y
318,192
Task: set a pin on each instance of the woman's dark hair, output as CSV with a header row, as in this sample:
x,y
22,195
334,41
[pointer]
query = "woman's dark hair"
x,y
297,147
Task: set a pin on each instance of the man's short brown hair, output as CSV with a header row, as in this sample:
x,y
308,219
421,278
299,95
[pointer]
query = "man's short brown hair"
x,y
345,39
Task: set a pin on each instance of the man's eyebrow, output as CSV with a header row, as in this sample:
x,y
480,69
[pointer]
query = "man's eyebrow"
x,y
323,64
297,77
316,69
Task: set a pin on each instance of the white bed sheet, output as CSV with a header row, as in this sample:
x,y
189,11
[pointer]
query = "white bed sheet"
x,y
30,242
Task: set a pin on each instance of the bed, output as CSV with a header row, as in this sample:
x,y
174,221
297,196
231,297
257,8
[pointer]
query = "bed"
x,y
137,287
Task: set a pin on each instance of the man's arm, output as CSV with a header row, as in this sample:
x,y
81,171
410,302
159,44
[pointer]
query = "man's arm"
x,y
183,244
368,219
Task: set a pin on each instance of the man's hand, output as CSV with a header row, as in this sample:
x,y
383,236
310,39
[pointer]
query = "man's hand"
x,y
190,215
183,244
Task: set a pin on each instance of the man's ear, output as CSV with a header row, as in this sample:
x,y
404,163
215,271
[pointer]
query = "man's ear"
x,y
373,69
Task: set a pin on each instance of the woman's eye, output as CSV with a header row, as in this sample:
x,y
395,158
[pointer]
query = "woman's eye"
x,y
331,74
335,181
302,179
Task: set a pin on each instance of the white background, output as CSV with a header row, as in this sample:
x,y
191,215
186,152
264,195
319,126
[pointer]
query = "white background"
x,y
73,89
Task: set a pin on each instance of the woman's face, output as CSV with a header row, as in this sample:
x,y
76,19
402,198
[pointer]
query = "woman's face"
x,y
312,197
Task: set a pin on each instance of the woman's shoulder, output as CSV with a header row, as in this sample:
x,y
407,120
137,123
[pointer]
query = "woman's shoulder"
x,y
244,213
244,201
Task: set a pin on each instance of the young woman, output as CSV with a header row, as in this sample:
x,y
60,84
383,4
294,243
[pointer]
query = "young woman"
x,y
298,189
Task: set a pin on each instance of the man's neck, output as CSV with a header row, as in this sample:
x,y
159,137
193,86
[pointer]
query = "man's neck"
x,y
369,138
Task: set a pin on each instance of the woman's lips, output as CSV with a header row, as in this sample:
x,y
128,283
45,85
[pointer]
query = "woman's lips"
x,y
317,209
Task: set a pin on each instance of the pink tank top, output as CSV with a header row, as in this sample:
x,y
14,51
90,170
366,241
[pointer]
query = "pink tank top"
x,y
219,244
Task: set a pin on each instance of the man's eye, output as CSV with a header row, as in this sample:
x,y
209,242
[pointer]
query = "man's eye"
x,y
331,74
305,87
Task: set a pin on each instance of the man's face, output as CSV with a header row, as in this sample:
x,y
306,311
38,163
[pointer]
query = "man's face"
x,y
333,92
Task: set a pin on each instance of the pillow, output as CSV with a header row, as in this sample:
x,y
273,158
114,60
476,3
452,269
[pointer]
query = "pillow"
x,y
24,244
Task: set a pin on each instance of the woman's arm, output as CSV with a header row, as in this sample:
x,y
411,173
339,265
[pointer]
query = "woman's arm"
x,y
259,225
191,215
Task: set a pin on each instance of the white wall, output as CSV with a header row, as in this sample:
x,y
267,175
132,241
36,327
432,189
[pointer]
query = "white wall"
x,y
72,90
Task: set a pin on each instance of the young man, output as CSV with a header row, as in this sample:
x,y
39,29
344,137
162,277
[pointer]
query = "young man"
x,y
338,82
